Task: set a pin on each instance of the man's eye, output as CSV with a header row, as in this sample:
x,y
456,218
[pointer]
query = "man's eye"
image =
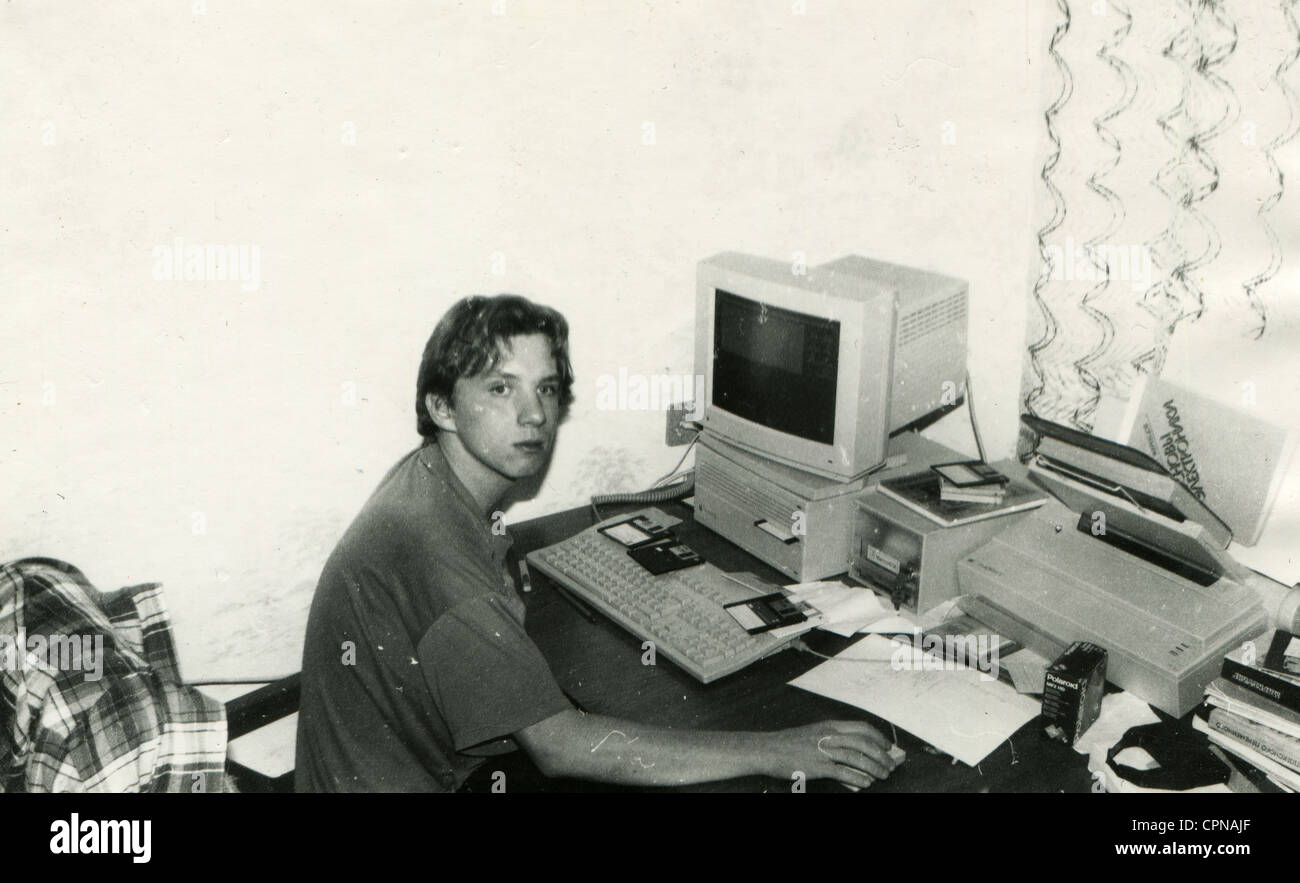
x,y
549,389
498,389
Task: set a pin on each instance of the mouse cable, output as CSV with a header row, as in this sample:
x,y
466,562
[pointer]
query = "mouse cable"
x,y
800,644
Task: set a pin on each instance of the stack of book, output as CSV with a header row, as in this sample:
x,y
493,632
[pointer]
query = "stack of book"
x,y
1253,709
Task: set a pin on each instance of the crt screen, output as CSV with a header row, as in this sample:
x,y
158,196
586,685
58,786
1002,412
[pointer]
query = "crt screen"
x,y
775,367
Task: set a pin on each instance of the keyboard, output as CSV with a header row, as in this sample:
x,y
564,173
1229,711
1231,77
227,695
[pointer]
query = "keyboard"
x,y
680,612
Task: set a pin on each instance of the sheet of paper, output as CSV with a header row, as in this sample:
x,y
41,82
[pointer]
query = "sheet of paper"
x,y
936,616
844,609
845,629
959,712
874,648
1027,670
1119,712
892,625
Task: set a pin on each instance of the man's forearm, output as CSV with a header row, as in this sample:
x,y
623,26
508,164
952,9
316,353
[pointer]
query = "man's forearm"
x,y
587,746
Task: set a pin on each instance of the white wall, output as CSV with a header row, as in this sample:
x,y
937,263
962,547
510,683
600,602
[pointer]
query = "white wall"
x,y
220,439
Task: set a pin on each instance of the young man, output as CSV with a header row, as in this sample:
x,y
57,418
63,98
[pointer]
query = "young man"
x,y
416,664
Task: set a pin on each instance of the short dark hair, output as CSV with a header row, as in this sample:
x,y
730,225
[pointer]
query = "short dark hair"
x,y
470,338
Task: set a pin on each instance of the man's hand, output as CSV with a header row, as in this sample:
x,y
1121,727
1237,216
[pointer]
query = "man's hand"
x,y
850,752
591,746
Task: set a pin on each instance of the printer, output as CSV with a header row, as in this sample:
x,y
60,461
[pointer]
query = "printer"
x,y
1122,556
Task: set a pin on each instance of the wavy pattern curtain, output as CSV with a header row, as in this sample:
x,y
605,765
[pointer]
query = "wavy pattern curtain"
x,y
1166,198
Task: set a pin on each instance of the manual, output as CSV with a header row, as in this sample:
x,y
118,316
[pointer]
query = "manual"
x,y
1229,457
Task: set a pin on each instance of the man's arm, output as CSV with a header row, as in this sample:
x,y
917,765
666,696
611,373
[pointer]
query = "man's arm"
x,y
587,746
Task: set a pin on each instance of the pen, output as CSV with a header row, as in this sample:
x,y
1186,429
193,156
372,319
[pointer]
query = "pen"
x,y
526,583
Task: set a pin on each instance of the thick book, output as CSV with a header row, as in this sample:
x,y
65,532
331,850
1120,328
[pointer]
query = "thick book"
x,y
921,493
1248,704
1271,743
1282,776
1272,685
1231,458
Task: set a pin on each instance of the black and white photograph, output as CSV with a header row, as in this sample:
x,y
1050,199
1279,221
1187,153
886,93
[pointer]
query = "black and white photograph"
x,y
586,400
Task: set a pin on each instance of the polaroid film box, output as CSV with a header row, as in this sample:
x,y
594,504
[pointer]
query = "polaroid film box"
x,y
1072,691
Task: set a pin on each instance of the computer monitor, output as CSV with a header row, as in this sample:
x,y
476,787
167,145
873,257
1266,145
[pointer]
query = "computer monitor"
x,y
815,369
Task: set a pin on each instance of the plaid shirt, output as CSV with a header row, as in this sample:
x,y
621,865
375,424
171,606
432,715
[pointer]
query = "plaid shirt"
x,y
90,691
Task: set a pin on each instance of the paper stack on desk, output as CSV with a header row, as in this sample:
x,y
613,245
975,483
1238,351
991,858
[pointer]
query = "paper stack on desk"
x,y
958,710
848,610
845,609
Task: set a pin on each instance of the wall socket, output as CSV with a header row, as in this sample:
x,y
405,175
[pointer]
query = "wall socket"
x,y
676,434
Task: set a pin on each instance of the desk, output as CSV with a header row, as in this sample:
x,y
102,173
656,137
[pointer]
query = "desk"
x,y
599,665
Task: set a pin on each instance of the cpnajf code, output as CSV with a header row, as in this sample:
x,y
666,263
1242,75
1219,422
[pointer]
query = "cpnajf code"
x,y
1238,826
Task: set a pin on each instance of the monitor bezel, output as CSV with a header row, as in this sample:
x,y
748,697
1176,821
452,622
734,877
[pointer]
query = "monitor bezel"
x,y
864,375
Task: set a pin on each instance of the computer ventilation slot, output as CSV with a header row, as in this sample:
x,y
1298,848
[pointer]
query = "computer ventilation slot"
x,y
932,317
763,506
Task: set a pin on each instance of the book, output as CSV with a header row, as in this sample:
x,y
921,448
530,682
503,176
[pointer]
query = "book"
x,y
921,493
1275,686
1282,776
1236,474
1239,700
1271,743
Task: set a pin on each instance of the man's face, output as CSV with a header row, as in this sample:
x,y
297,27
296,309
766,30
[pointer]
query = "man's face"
x,y
506,417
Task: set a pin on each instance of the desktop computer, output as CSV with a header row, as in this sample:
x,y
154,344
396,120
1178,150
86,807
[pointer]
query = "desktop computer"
x,y
805,376
806,380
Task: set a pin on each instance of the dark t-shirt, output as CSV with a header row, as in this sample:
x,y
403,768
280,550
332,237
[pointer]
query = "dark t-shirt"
x,y
416,662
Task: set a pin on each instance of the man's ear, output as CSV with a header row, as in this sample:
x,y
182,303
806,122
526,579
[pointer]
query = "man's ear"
x,y
441,412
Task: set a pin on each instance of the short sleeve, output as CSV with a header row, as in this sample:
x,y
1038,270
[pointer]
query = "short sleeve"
x,y
485,675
